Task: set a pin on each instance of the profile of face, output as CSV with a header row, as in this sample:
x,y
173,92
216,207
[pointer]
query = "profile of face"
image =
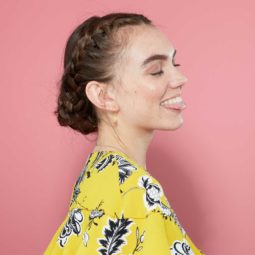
x,y
145,84
144,87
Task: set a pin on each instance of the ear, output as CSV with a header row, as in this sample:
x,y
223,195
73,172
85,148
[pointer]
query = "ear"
x,y
101,95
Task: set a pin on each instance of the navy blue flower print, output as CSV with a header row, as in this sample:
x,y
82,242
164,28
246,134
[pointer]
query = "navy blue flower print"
x,y
72,226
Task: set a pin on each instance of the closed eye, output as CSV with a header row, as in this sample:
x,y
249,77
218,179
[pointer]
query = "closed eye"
x,y
158,73
161,71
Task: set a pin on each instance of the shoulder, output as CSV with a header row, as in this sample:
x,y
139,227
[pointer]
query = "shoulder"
x,y
117,185
144,197
141,193
97,186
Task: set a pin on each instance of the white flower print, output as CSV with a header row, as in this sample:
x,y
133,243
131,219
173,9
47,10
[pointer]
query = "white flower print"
x,y
72,226
153,196
153,192
181,248
85,238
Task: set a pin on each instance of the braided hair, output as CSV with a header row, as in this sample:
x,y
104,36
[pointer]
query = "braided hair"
x,y
91,52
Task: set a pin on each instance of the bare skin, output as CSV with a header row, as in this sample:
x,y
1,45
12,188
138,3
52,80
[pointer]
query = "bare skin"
x,y
134,101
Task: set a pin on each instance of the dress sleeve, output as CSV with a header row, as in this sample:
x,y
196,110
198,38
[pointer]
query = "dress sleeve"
x,y
94,232
94,202
106,218
155,228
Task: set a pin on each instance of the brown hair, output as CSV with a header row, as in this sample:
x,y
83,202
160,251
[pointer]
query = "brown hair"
x,y
91,52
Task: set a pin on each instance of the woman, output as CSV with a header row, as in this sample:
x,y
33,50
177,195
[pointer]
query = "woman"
x,y
120,81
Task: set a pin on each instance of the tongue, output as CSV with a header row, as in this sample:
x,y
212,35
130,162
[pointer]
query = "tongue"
x,y
179,106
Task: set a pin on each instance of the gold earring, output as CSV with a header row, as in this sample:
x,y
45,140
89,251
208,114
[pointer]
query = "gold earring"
x,y
114,118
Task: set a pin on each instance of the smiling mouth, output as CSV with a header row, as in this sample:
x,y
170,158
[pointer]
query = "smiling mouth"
x,y
176,103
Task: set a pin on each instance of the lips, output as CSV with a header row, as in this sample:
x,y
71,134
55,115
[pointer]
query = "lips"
x,y
176,106
176,103
177,95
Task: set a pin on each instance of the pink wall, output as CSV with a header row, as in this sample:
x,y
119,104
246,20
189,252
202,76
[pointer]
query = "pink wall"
x,y
206,167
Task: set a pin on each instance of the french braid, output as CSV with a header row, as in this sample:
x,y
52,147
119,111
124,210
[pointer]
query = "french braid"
x,y
91,52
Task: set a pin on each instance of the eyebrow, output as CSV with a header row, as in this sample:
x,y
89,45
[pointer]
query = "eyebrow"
x,y
157,57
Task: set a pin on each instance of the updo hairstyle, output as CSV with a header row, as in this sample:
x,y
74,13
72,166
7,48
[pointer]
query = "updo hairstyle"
x,y
92,51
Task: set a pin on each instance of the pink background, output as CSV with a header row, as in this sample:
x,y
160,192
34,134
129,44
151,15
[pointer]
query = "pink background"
x,y
206,167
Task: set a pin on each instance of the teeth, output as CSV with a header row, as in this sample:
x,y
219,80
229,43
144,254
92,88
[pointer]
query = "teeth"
x,y
172,101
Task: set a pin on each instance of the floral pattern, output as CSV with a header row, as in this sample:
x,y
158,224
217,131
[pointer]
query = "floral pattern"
x,y
114,236
125,169
181,248
116,233
76,190
153,199
72,226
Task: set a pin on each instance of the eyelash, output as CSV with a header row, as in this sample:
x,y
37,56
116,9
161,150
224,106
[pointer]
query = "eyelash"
x,y
161,72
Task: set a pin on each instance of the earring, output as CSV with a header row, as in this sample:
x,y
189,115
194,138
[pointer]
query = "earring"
x,y
114,119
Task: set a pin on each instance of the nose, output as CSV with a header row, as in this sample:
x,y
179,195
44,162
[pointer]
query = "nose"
x,y
178,79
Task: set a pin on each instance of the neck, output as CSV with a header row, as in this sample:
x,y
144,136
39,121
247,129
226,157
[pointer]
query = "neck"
x,y
134,143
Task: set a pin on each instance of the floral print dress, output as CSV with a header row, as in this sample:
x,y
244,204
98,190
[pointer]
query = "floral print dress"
x,y
117,207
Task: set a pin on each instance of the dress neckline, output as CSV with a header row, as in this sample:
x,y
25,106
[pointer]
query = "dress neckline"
x,y
120,153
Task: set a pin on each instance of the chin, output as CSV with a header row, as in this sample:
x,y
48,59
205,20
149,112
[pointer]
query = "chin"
x,y
172,126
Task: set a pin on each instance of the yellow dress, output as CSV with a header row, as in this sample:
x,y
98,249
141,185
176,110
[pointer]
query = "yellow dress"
x,y
117,207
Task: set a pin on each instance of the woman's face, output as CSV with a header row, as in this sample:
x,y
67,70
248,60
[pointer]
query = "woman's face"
x,y
142,90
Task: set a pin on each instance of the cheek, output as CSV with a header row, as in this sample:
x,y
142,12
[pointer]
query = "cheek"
x,y
145,101
152,92
143,97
